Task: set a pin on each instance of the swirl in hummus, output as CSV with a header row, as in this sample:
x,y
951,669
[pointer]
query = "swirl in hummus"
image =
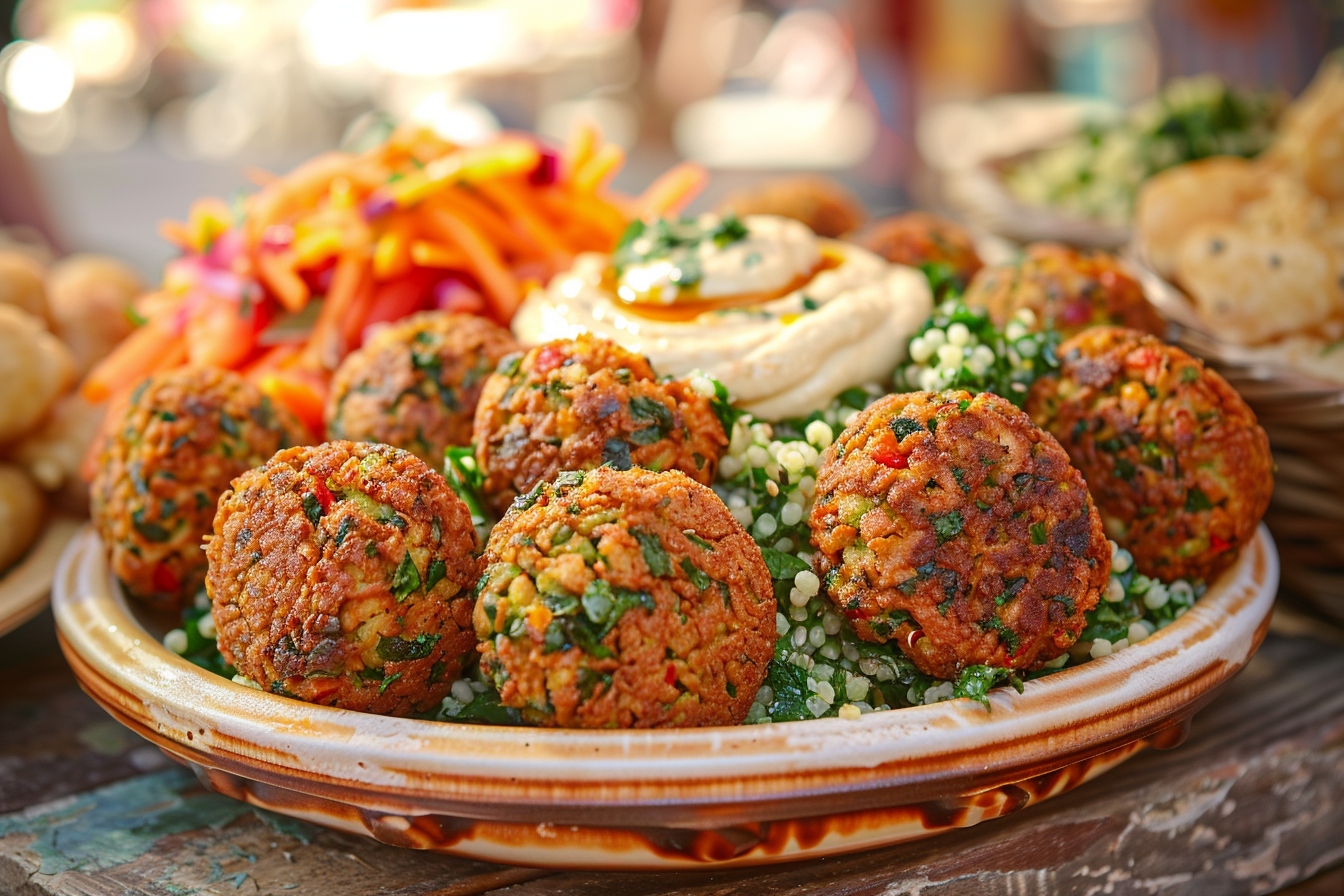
x,y
784,319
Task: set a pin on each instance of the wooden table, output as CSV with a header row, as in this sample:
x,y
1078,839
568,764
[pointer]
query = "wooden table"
x,y
1253,802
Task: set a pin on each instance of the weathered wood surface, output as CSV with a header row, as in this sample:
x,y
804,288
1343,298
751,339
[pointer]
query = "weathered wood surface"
x,y
1253,802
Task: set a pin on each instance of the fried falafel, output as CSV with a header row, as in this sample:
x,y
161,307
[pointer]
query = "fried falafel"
x,y
919,240
1066,289
168,455
341,574
578,404
955,527
415,384
1179,467
626,599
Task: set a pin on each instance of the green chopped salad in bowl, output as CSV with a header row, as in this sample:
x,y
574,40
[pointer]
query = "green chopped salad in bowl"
x,y
1096,173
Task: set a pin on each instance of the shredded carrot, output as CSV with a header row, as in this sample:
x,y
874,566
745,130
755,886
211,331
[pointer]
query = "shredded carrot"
x,y
352,328
512,198
583,141
438,255
671,192
326,345
135,357
176,233
302,395
595,172
500,287
276,270
485,218
372,237
391,254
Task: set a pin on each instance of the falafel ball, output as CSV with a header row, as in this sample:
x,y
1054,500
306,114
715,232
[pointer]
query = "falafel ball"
x,y
955,527
822,203
1173,456
1065,288
168,454
415,384
578,404
625,599
341,574
917,239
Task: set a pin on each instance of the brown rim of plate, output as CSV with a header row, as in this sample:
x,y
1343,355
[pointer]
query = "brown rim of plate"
x,y
663,777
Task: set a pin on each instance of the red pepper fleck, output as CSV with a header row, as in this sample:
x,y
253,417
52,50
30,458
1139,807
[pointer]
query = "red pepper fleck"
x,y
548,359
165,579
671,676
1076,313
889,458
548,168
1219,544
324,496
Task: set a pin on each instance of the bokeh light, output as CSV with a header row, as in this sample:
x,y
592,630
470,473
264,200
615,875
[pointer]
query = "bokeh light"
x,y
37,78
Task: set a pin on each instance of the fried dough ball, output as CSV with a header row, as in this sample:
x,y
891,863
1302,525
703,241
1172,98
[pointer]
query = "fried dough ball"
x,y
822,203
21,283
416,383
955,527
89,298
21,514
35,369
1174,458
578,404
625,599
916,239
341,574
53,452
169,454
1068,289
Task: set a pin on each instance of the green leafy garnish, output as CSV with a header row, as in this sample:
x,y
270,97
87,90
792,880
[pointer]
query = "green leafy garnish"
x,y
399,650
655,557
699,578
406,578
782,565
947,526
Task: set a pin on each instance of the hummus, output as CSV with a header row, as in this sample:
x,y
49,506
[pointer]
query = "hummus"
x,y
784,319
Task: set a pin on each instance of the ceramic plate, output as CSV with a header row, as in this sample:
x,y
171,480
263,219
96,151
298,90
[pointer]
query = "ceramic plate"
x,y
671,798
25,586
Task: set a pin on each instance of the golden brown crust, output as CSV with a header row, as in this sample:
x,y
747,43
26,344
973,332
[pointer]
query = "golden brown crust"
x,y
625,599
170,453
1068,289
415,384
953,526
341,575
1175,460
578,404
915,239
822,203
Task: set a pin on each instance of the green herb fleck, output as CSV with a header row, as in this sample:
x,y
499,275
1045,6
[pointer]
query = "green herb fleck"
x,y
312,508
699,578
399,650
406,579
655,557
947,526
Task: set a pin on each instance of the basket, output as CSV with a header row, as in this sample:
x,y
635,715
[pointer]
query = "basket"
x,y
1304,418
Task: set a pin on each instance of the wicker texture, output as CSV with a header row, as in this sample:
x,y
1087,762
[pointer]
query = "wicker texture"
x,y
1304,418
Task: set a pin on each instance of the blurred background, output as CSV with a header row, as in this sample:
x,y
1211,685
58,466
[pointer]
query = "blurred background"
x,y
124,111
